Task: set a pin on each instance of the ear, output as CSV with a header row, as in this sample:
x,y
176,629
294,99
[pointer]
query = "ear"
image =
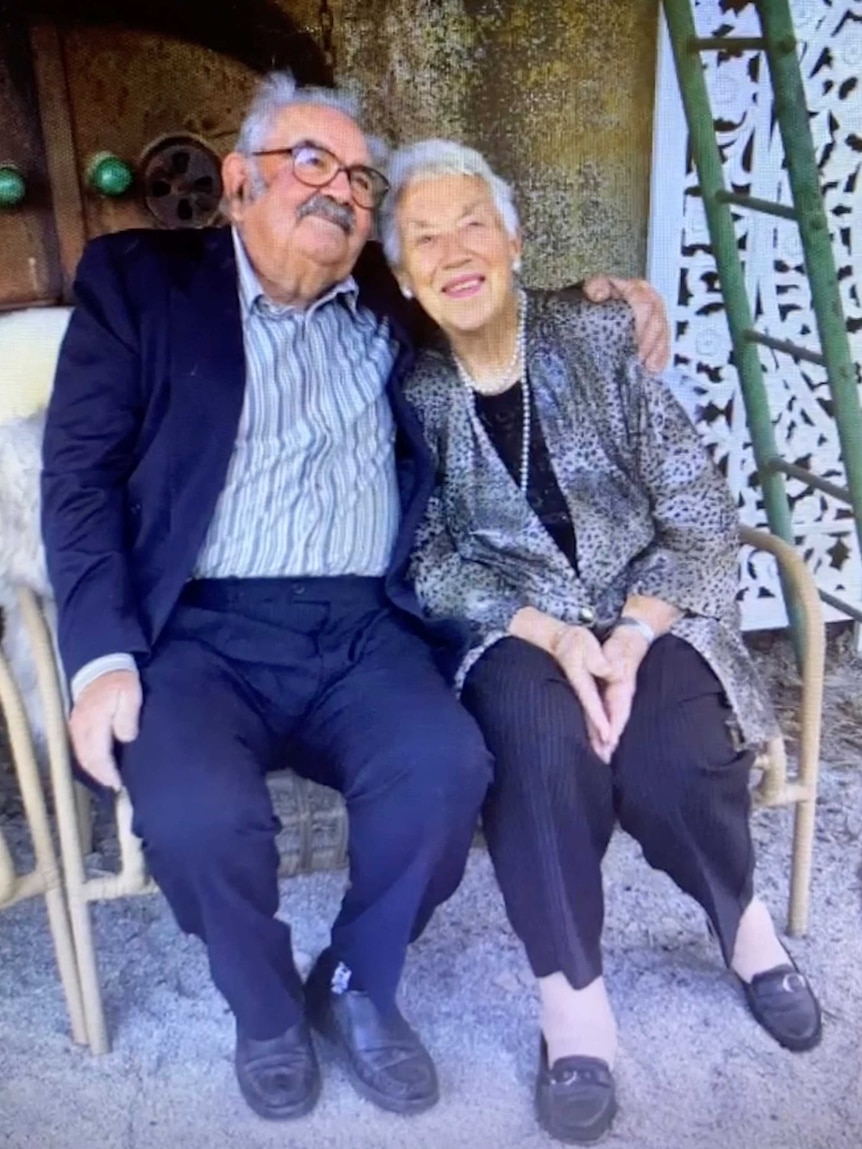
x,y
404,284
516,247
234,177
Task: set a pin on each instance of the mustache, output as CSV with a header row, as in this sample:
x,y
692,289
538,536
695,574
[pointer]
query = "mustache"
x,y
341,214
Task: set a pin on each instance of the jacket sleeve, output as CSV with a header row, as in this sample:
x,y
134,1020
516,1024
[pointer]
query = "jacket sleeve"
x,y
93,422
693,560
447,584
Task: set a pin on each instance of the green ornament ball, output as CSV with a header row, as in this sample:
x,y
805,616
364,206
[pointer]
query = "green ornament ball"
x,y
111,176
12,187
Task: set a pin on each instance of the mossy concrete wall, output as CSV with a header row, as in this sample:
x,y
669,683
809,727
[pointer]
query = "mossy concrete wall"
x,y
558,94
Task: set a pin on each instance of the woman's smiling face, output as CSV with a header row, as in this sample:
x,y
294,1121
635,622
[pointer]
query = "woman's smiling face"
x,y
456,255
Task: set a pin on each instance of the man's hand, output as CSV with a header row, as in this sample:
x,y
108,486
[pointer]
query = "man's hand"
x,y
107,709
624,650
652,330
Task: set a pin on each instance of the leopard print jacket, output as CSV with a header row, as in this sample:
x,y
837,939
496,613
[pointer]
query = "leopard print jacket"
x,y
651,513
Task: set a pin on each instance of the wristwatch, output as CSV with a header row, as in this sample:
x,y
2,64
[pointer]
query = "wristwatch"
x,y
644,628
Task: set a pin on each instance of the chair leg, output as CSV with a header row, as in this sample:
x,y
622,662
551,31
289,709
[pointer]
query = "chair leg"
x,y
66,810
33,798
82,931
810,722
64,949
84,814
800,872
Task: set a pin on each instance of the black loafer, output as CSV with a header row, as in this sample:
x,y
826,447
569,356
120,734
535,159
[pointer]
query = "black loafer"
x,y
575,1098
385,1059
783,1002
279,1077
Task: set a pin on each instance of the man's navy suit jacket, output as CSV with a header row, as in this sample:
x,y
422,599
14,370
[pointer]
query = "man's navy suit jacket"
x,y
141,426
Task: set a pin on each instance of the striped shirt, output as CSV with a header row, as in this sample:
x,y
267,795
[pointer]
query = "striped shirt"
x,y
311,487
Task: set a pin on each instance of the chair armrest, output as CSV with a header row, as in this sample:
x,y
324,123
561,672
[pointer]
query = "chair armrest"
x,y
801,580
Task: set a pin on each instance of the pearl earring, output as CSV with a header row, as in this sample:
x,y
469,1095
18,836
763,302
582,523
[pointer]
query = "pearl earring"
x,y
406,292
516,264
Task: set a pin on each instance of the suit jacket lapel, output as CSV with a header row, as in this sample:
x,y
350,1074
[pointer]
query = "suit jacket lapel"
x,y
207,381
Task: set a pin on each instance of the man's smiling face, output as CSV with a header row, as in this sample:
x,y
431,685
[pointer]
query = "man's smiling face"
x,y
287,225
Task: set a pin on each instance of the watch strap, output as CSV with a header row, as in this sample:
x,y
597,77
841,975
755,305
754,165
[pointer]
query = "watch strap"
x,y
638,624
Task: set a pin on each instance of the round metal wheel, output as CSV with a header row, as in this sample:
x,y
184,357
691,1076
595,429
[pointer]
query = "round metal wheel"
x,y
182,182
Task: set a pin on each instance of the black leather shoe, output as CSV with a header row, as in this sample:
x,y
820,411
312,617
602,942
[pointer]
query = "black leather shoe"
x,y
385,1059
575,1097
279,1077
784,1003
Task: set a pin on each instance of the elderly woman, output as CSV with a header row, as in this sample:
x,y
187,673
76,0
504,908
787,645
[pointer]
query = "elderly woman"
x,y
581,528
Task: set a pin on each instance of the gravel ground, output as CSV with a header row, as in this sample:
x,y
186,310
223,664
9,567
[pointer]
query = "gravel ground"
x,y
693,1070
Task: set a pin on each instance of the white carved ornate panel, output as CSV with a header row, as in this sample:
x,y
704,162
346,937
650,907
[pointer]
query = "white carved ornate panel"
x,y
681,267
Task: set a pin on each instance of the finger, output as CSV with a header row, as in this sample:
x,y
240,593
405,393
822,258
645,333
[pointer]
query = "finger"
x,y
657,358
652,332
618,703
597,288
635,292
93,748
584,686
108,774
578,646
599,748
648,330
654,343
126,715
598,664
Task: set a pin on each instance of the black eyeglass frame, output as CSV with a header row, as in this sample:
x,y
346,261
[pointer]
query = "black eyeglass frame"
x,y
378,179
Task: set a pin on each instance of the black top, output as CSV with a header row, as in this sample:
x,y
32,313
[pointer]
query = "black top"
x,y
502,416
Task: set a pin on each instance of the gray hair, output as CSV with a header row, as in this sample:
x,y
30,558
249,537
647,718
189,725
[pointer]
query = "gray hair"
x,y
279,90
432,159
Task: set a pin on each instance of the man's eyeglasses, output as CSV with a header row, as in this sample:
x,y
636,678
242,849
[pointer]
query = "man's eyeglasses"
x,y
316,167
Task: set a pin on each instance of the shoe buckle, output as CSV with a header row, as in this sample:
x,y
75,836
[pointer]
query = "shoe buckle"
x,y
571,1076
792,982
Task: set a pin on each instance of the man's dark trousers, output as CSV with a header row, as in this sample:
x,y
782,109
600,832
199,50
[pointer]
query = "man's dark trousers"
x,y
324,676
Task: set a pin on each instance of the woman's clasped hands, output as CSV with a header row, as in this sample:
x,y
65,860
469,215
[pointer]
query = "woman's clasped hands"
x,y
602,675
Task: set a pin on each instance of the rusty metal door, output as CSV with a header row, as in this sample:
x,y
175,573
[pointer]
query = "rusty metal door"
x,y
28,236
167,108
163,110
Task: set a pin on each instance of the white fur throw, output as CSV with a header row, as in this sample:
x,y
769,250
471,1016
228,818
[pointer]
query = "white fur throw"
x,y
29,344
22,559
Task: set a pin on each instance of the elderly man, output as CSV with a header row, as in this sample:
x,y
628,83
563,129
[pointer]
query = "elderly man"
x,y
232,481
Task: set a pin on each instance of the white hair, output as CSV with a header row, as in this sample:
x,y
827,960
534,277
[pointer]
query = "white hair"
x,y
433,159
279,90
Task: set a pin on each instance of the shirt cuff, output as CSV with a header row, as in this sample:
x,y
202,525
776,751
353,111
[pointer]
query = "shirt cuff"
x,y
94,669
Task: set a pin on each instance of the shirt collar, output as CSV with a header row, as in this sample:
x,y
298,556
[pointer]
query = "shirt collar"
x,y
253,297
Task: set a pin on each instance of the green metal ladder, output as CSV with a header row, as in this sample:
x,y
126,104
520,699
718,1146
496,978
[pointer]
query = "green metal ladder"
x,y
778,43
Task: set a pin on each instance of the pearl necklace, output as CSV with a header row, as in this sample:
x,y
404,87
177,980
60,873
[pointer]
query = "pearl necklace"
x,y
514,371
